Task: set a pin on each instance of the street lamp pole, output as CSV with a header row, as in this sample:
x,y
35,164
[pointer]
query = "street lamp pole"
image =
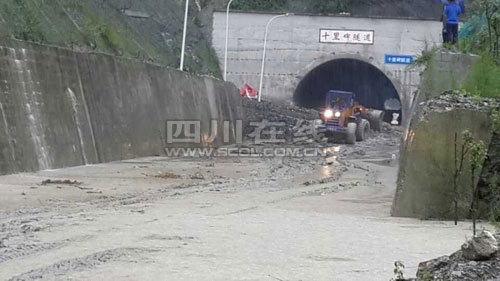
x,y
181,67
264,50
227,39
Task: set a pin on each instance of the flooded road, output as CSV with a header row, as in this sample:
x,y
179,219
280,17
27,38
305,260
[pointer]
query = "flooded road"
x,y
217,219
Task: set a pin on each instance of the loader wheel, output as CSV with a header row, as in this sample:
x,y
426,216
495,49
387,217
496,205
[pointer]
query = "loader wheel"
x,y
362,130
376,117
350,137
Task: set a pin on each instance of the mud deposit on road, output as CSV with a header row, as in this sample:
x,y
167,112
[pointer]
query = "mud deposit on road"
x,y
323,218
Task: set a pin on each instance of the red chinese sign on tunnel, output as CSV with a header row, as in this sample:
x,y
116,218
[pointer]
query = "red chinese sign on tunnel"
x,y
346,36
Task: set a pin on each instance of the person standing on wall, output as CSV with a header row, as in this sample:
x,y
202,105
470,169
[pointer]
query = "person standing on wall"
x,y
452,11
444,31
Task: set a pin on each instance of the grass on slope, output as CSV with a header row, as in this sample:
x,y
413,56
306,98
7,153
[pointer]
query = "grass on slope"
x,y
101,25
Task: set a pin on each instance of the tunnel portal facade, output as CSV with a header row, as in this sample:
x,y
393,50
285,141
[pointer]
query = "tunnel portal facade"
x,y
307,55
370,86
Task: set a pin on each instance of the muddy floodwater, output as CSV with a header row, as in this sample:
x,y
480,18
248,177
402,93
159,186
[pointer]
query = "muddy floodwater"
x,y
217,219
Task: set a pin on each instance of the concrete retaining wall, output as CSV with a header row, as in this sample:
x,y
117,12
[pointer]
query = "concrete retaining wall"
x,y
425,184
425,180
446,71
60,108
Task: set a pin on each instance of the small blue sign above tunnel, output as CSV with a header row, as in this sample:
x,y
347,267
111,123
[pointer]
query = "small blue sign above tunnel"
x,y
398,59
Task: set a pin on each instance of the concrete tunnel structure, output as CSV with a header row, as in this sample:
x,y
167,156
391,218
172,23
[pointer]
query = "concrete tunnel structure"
x,y
372,88
301,67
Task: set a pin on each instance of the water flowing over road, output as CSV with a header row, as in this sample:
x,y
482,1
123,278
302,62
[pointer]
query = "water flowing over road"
x,y
217,219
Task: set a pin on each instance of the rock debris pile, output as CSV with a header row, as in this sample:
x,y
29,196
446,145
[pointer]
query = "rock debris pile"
x,y
273,123
478,259
455,100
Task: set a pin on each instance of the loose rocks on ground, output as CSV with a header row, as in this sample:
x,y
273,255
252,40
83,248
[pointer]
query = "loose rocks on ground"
x,y
477,260
480,247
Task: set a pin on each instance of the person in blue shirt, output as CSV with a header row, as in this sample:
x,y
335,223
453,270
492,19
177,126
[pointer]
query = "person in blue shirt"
x,y
451,12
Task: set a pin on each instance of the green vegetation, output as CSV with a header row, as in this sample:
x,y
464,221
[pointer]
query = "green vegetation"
x,y
97,31
460,155
494,181
103,26
427,277
427,60
495,117
484,80
477,151
28,26
494,204
399,270
471,152
481,35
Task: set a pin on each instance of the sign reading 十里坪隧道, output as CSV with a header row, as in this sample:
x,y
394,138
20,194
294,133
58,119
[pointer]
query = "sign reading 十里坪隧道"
x,y
398,59
346,36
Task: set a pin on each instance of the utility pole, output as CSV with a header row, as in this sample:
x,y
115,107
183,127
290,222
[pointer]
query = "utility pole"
x,y
264,50
181,67
227,39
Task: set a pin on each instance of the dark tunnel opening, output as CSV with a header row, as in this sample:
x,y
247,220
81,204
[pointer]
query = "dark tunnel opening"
x,y
370,85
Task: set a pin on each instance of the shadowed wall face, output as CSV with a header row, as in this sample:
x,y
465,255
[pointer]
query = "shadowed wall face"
x,y
427,164
371,86
60,108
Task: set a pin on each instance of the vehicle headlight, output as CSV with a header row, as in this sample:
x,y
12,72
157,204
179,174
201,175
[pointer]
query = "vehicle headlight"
x,y
328,113
338,114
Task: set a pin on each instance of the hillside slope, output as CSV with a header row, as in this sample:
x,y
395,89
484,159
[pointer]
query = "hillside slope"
x,y
387,8
151,30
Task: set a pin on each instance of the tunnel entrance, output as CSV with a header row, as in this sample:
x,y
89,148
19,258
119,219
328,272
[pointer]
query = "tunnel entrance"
x,y
373,89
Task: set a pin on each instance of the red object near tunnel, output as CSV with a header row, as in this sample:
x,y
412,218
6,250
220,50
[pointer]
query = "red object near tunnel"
x,y
248,91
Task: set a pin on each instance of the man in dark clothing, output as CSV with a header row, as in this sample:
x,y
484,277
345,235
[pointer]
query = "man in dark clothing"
x,y
451,12
445,32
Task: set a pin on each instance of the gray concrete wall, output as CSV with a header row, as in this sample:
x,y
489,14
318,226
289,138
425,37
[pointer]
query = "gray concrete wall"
x,y
294,49
425,180
446,71
61,108
425,187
